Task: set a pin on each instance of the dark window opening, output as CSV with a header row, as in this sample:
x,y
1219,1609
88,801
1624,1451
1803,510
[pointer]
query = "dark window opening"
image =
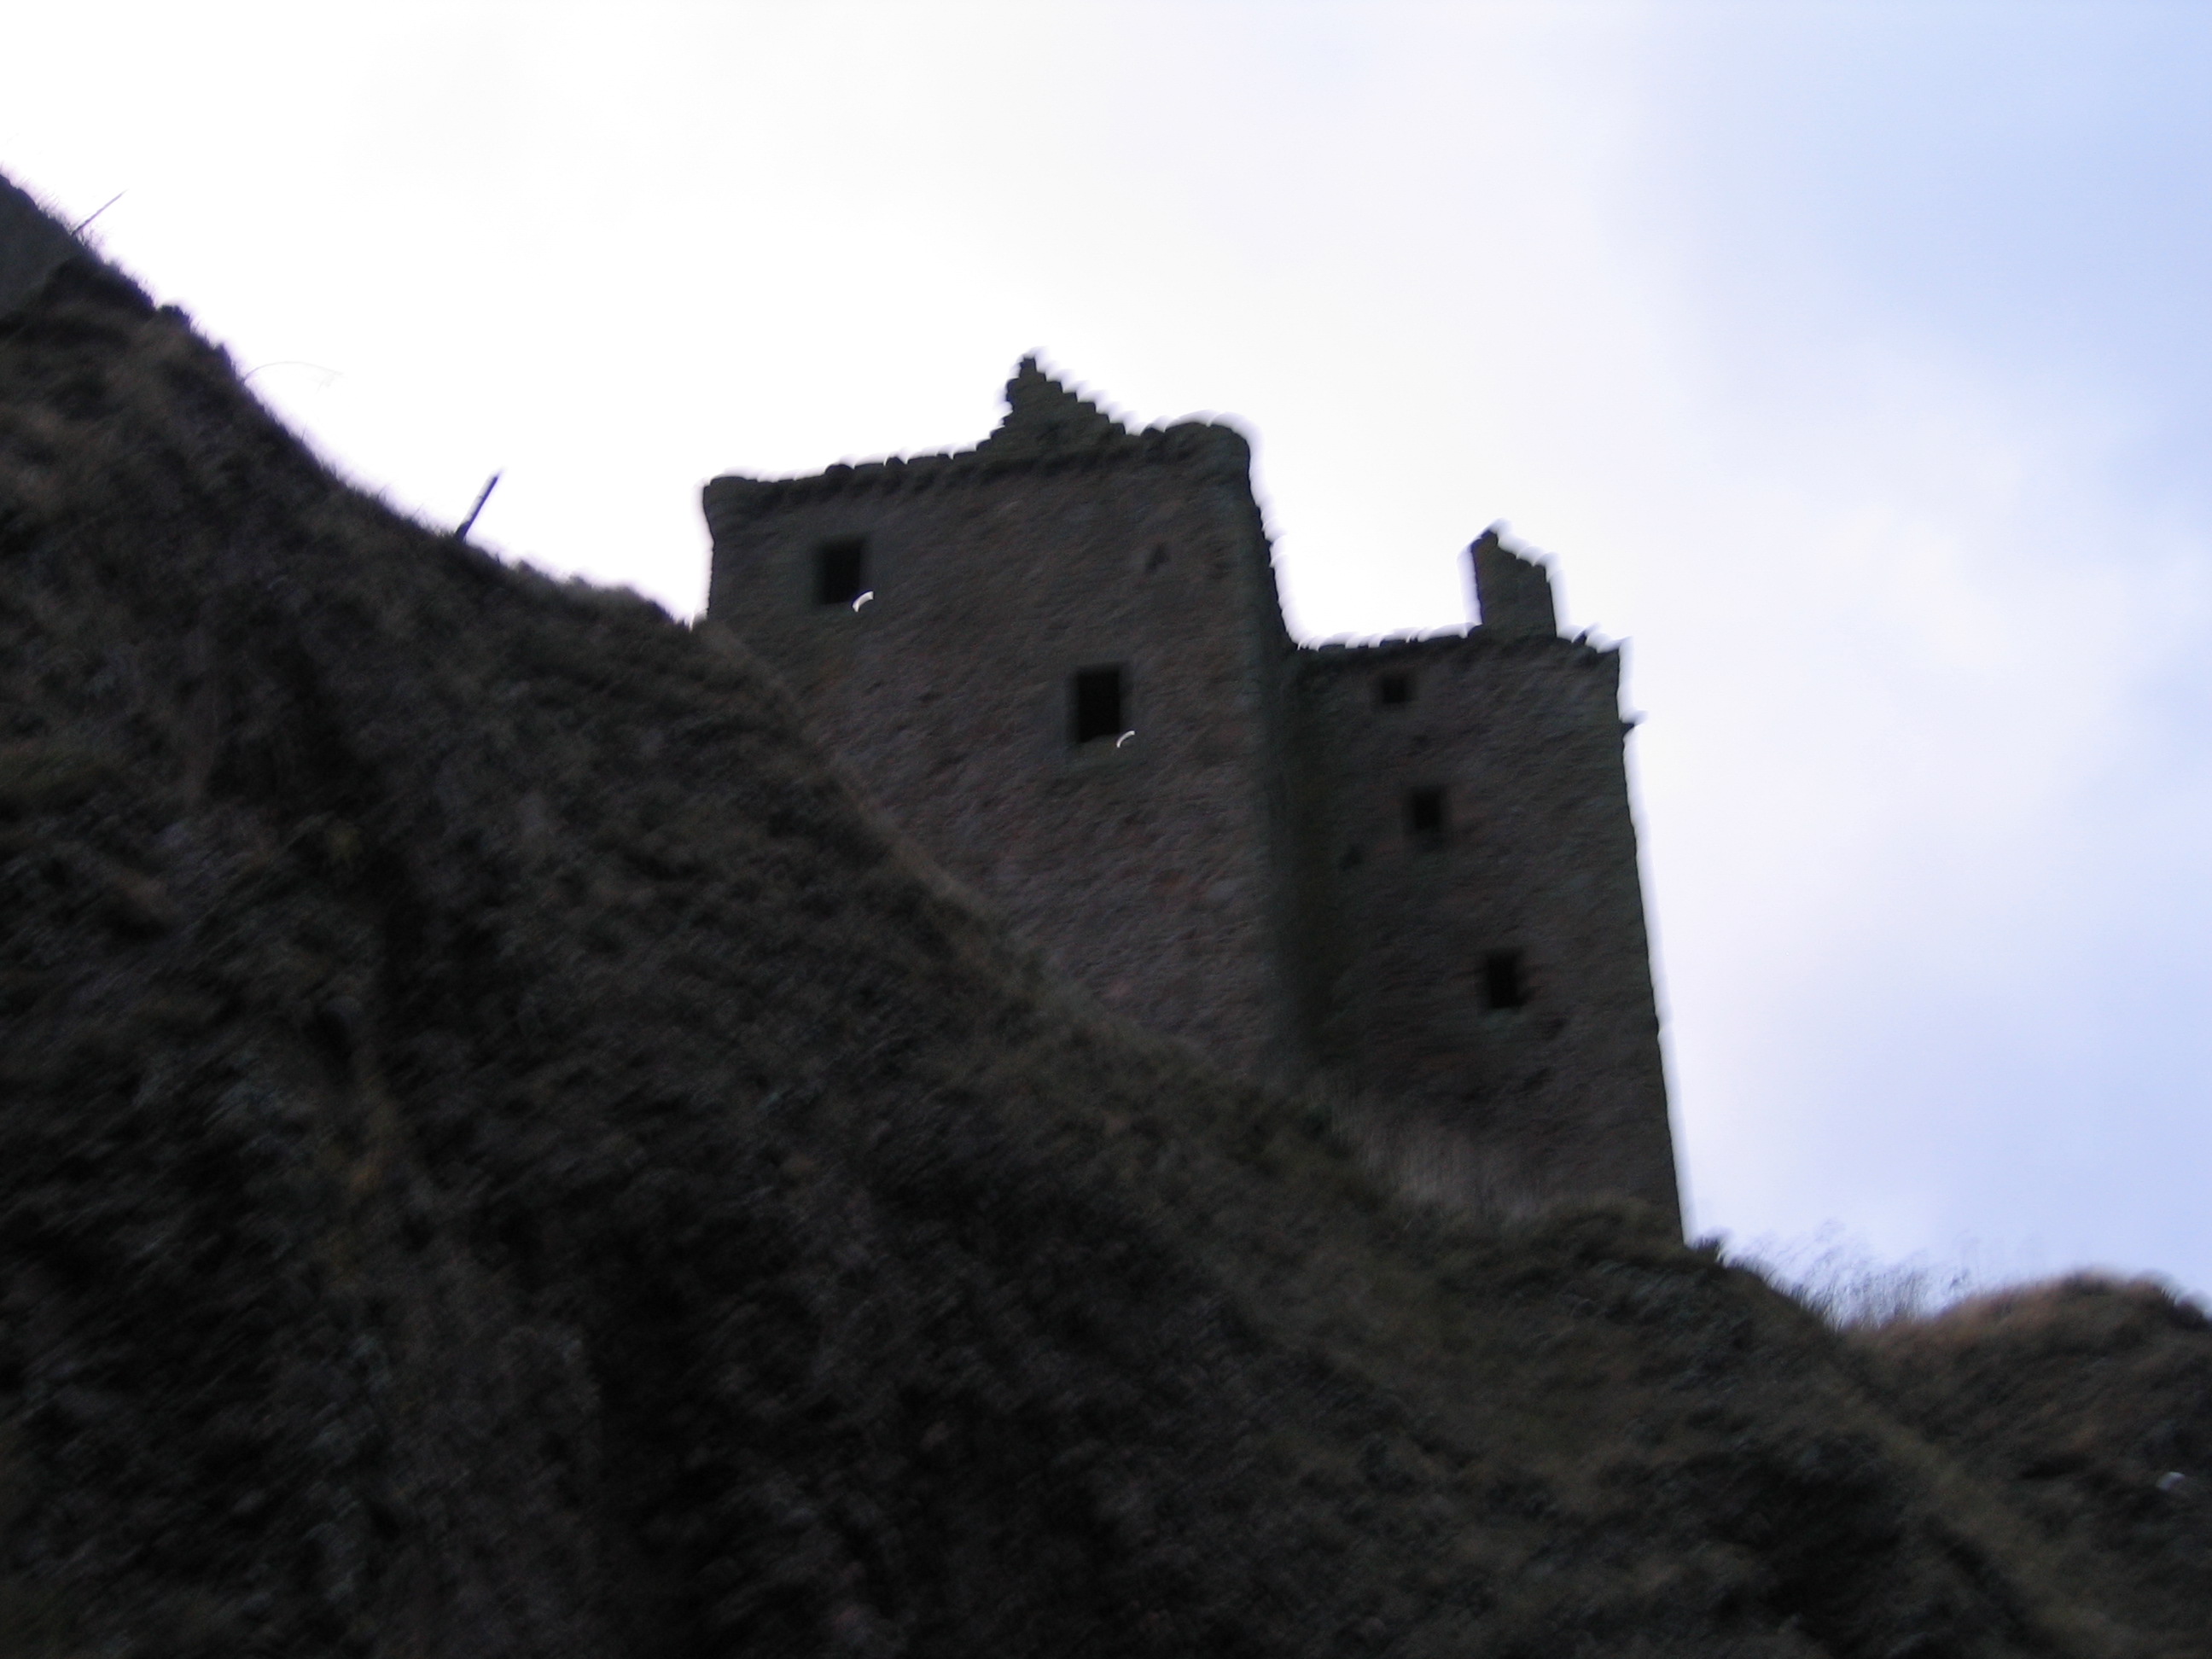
x,y
1095,705
1394,691
1424,816
841,570
1503,985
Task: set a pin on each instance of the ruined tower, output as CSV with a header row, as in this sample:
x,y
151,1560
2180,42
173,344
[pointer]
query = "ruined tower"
x,y
1058,659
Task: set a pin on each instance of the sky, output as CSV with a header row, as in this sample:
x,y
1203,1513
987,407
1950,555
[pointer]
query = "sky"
x,y
1850,361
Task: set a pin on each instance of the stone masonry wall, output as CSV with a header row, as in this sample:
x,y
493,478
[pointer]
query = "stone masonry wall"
x,y
1146,866
1522,867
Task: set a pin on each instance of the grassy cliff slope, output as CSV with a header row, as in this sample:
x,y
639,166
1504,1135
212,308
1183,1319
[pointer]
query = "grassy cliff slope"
x,y
501,1154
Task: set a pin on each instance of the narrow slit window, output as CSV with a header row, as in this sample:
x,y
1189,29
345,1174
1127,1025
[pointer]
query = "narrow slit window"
x,y
1426,820
1503,984
841,570
1394,691
1095,705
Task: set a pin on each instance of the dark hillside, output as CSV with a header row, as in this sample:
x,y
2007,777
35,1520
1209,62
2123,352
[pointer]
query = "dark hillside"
x,y
500,1155
2092,1400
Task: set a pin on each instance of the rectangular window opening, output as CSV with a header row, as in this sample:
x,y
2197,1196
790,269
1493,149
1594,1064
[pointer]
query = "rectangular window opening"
x,y
1394,691
841,570
1095,697
1425,818
1503,986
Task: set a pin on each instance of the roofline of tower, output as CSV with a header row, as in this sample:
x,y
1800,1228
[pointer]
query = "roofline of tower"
x,y
1211,446
1334,655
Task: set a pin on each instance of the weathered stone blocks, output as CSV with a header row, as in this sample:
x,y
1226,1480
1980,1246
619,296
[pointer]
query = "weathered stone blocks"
x,y
1302,869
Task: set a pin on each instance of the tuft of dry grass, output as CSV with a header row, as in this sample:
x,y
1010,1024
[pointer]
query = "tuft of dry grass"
x,y
1850,1289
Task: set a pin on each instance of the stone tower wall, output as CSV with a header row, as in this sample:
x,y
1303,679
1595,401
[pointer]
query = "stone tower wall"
x,y
1524,890
1148,868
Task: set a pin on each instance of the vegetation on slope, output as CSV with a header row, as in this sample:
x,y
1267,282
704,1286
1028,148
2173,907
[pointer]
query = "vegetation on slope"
x,y
501,1154
2090,1402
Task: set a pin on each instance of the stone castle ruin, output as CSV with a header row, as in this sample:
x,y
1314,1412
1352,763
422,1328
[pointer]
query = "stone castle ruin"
x,y
1407,869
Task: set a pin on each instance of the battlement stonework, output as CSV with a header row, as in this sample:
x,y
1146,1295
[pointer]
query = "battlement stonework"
x,y
1059,660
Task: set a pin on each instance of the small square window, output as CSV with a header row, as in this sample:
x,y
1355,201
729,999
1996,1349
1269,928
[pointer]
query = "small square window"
x,y
1426,819
841,570
1504,985
1094,705
1394,691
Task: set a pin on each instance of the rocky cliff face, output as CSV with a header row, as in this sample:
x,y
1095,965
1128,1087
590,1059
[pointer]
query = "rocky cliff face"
x,y
501,1154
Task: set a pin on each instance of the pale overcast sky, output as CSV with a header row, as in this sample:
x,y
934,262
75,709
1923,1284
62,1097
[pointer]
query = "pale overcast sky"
x,y
1851,360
